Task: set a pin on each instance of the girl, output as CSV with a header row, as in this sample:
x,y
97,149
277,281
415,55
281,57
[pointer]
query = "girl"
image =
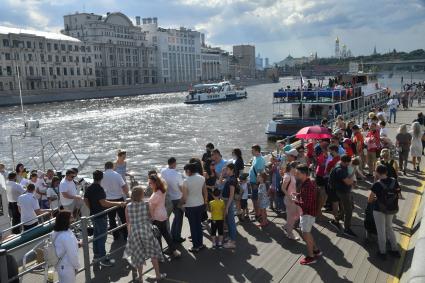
x,y
289,189
159,213
141,243
120,165
263,199
416,145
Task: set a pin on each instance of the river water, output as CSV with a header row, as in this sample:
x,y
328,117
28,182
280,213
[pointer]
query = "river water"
x,y
151,128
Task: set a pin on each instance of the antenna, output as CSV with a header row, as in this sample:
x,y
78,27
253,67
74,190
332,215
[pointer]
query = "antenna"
x,y
20,95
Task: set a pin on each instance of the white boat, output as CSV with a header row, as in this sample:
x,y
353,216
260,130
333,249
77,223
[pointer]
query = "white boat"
x,y
215,92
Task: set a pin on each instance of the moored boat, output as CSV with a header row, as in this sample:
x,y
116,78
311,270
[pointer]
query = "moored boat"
x,y
214,92
350,95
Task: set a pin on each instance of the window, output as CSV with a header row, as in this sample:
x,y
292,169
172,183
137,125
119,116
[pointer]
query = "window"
x,y
58,71
83,59
49,46
43,71
70,58
65,72
69,47
1,86
42,57
49,58
71,71
57,58
28,44
78,72
76,48
1,71
29,57
88,49
55,46
51,71
63,58
77,59
40,45
63,47
6,42
31,70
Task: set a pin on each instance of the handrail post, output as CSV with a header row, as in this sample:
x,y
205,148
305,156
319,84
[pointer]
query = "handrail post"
x,y
4,277
86,253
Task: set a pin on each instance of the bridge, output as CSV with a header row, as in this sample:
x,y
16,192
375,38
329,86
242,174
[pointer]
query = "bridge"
x,y
394,65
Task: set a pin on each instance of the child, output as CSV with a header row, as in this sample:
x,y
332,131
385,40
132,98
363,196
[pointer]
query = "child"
x,y
244,198
217,219
354,170
263,200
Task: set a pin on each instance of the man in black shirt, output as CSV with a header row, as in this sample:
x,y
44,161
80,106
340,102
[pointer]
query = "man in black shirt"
x,y
208,149
95,199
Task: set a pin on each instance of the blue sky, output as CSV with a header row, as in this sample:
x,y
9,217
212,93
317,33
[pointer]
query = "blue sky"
x,y
276,27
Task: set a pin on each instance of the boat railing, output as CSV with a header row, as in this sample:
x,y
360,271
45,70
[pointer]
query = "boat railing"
x,y
83,224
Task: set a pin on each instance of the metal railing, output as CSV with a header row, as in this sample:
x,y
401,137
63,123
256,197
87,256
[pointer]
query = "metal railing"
x,y
82,224
417,267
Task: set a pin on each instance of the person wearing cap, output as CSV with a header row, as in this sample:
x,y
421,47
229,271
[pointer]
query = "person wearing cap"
x,y
291,155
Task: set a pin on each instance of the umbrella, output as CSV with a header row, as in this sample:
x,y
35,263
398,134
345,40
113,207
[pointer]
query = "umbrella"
x,y
313,132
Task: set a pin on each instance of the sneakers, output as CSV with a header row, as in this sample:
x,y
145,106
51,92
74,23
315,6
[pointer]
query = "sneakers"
x,y
107,262
317,253
335,224
180,240
308,260
229,245
350,233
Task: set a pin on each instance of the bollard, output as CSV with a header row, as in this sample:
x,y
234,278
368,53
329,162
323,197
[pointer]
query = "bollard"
x,y
4,277
86,254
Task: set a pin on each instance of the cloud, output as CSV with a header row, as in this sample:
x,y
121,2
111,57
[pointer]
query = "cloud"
x,y
276,27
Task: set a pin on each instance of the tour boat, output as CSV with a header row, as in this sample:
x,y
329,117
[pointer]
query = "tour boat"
x,y
214,92
354,95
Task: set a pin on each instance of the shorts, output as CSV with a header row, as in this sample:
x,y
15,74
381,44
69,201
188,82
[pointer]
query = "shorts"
x,y
254,191
217,225
306,223
244,203
332,197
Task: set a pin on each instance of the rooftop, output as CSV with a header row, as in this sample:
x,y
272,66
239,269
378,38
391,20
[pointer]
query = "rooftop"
x,y
45,34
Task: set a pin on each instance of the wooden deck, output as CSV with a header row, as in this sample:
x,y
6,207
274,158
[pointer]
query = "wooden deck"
x,y
266,255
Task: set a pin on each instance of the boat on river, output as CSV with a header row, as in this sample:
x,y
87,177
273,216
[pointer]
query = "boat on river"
x,y
215,92
353,95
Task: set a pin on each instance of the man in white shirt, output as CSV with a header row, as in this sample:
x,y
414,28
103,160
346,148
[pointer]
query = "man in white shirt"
x,y
13,191
174,181
392,106
29,208
116,191
69,197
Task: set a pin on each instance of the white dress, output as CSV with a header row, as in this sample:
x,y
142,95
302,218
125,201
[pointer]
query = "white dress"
x,y
416,146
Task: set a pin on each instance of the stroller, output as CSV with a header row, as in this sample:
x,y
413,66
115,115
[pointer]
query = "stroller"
x,y
369,222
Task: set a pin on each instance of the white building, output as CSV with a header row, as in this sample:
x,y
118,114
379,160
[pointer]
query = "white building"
x,y
178,52
121,54
215,63
44,61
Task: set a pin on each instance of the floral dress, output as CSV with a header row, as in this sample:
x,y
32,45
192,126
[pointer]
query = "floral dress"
x,y
141,244
263,199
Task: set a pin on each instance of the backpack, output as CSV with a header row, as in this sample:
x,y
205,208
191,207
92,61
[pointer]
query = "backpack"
x,y
390,168
48,251
389,202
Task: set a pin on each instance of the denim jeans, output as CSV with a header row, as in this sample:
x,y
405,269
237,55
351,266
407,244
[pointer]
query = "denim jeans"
x,y
194,215
113,222
100,226
230,220
393,113
176,226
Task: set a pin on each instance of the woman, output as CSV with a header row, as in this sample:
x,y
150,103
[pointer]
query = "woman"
x,y
238,161
403,141
289,189
141,243
373,147
20,173
321,178
228,194
198,164
339,122
66,246
194,199
416,145
120,165
53,193
159,213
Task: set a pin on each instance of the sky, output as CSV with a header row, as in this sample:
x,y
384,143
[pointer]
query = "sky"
x,y
276,27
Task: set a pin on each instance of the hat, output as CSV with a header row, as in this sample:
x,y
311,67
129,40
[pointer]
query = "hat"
x,y
346,140
372,115
292,152
287,148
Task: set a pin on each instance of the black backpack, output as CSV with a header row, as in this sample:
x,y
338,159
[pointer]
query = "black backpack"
x,y
389,202
390,168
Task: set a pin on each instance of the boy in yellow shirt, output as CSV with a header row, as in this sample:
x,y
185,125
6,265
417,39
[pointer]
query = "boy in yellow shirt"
x,y
217,207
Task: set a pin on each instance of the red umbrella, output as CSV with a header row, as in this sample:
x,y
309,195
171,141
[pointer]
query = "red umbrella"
x,y
313,132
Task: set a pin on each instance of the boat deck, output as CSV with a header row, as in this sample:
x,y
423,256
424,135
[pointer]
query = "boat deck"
x,y
266,255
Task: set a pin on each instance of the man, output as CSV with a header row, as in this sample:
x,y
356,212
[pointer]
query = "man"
x,y
336,140
69,197
3,171
308,202
13,191
174,181
95,199
208,149
342,184
258,166
116,189
49,177
29,208
384,195
218,160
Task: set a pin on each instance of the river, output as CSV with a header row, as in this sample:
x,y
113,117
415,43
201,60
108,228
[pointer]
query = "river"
x,y
151,128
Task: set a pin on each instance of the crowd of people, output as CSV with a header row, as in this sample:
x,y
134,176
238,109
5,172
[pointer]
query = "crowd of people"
x,y
298,182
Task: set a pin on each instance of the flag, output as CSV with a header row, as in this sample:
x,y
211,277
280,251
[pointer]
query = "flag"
x,y
302,79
